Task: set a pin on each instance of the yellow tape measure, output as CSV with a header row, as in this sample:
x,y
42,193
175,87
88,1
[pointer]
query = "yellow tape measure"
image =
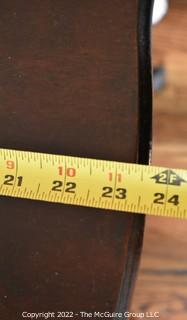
x,y
93,183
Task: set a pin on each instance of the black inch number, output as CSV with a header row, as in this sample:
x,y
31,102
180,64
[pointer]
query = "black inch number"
x,y
159,199
20,179
57,185
9,180
107,192
70,187
121,193
174,200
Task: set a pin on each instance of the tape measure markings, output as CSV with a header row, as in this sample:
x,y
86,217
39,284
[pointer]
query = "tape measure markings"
x,y
96,183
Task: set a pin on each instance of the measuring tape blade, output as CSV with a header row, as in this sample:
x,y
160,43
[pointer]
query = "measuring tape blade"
x,y
94,183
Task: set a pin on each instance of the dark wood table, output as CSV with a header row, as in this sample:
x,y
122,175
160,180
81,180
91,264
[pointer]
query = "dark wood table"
x,y
75,80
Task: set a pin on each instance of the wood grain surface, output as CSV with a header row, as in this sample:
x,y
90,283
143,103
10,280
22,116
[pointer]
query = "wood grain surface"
x,y
162,281
69,85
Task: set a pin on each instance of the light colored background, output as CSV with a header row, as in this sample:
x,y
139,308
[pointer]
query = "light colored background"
x,y
162,280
